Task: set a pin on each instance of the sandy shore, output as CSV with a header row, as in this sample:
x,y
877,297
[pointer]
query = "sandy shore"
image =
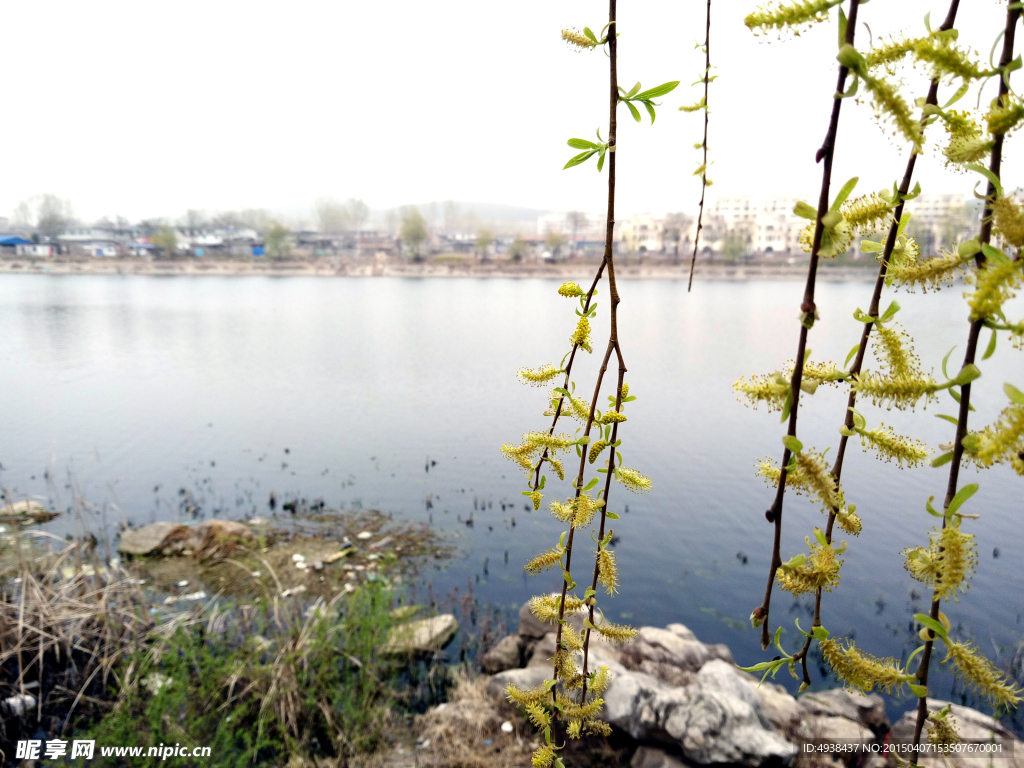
x,y
337,267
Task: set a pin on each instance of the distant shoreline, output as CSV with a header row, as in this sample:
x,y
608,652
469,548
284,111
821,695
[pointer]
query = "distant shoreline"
x,y
334,267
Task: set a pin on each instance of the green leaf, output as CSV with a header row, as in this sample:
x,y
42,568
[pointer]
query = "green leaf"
x,y
611,515
944,362
933,625
582,144
947,417
921,691
844,193
889,313
820,632
1014,394
633,111
633,90
968,248
587,31
787,406
582,157
960,93
600,161
590,591
961,496
792,443
650,110
656,91
759,666
591,484
820,536
842,27
850,356
805,211
931,510
993,179
991,348
945,458
858,419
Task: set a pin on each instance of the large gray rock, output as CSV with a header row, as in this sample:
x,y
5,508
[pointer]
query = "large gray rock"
x,y
652,757
673,654
867,711
971,725
506,654
421,637
145,540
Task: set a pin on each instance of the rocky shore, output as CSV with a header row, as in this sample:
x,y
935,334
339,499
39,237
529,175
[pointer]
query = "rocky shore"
x,y
630,268
682,702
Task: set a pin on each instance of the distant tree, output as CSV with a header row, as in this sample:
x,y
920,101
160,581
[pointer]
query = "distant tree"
x,y
577,221
554,241
414,230
275,239
358,212
165,239
734,244
519,249
484,238
676,226
451,215
54,216
194,220
22,216
332,217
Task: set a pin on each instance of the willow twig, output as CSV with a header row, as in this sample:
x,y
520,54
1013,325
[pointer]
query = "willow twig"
x,y
807,310
704,144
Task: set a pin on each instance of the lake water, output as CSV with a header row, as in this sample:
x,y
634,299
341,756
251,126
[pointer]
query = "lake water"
x,y
396,394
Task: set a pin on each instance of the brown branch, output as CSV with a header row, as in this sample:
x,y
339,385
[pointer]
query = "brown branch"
x,y
984,236
807,309
704,175
876,297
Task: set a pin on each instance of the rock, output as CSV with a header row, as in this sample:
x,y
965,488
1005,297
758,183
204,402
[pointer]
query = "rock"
x,y
650,757
143,541
19,704
423,636
971,725
868,711
530,626
527,678
26,513
210,539
673,654
507,654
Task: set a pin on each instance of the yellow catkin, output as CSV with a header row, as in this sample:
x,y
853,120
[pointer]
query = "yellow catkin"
x,y
930,273
821,373
946,59
1004,115
612,417
545,560
1009,221
850,522
979,674
608,570
573,729
570,290
584,509
889,52
600,680
868,213
862,670
581,336
776,15
546,607
812,468
538,716
543,757
770,389
537,377
572,639
795,480
891,348
516,695
946,563
535,497
993,285
616,633
821,571
565,666
890,104
892,447
633,479
557,466
835,239
897,393
595,450
577,40
1004,439
942,730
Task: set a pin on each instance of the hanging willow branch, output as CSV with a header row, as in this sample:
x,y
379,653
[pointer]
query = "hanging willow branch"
x,y
808,314
703,169
849,424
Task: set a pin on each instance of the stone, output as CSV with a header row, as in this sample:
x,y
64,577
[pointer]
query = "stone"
x,y
144,540
971,725
868,711
672,655
421,637
506,654
26,513
651,757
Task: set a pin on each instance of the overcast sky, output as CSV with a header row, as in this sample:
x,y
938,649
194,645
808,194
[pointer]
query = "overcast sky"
x,y
150,108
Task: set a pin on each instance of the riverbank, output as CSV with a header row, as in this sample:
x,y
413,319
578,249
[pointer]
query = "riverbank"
x,y
628,268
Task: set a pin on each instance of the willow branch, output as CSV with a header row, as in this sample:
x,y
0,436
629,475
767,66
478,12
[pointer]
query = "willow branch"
x,y
876,297
985,235
704,174
807,309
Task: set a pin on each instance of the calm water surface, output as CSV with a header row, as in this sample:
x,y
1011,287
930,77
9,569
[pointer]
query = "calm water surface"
x,y
396,394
